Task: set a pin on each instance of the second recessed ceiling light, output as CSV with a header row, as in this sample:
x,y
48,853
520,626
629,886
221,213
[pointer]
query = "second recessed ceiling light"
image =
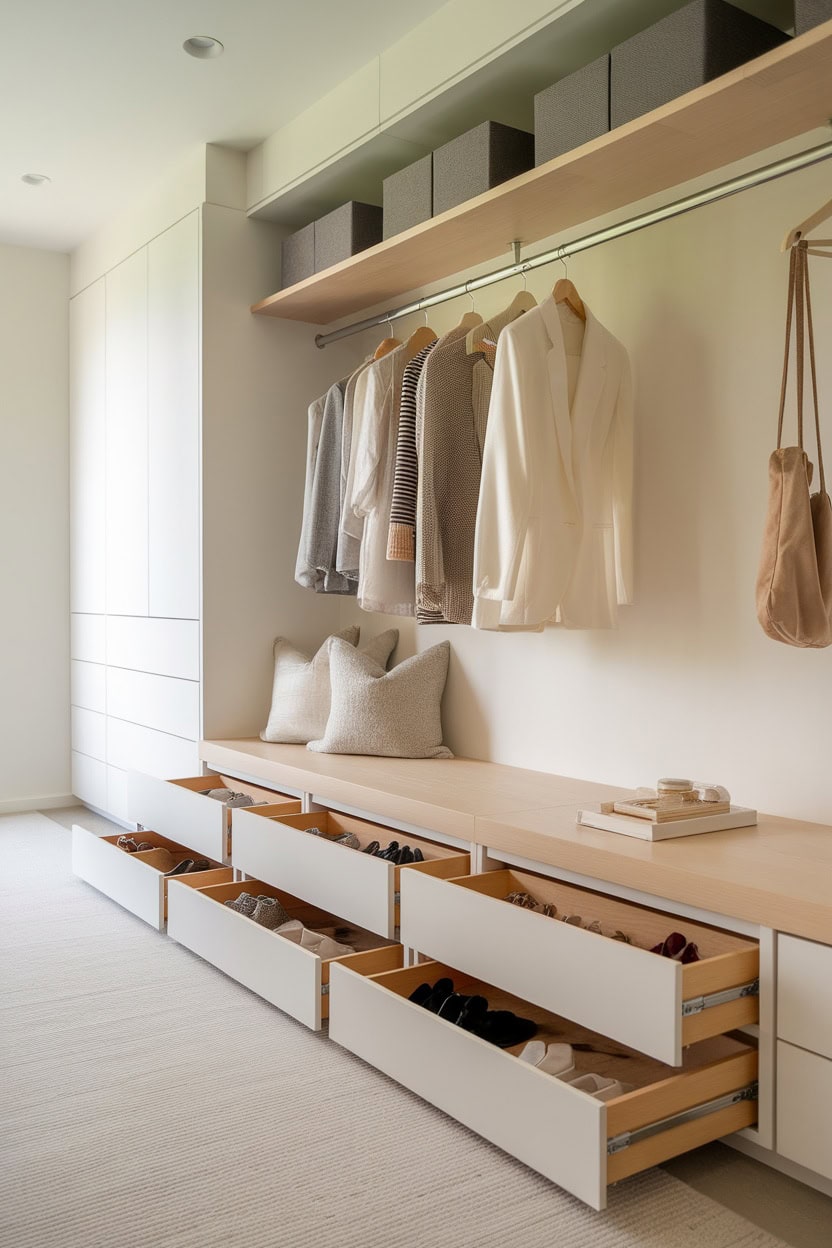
x,y
203,47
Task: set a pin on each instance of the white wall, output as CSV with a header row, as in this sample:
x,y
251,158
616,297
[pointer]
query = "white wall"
x,y
34,520
688,684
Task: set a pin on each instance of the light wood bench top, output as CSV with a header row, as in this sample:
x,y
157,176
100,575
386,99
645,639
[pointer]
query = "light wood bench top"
x,y
777,874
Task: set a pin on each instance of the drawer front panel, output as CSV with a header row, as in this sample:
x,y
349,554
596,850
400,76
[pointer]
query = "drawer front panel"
x,y
546,1124
89,734
161,702
358,886
89,780
613,987
87,639
145,644
88,685
117,793
277,970
804,1108
804,998
131,745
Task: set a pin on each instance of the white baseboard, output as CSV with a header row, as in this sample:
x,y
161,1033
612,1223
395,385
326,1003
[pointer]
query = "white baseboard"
x,y
51,802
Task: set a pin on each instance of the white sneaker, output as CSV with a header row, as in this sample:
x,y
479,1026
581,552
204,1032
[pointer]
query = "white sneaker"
x,y
554,1060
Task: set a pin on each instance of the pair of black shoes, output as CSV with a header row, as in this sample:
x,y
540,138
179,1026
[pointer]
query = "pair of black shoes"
x,y
499,1027
399,855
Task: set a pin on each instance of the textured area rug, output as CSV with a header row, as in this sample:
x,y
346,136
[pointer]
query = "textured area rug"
x,y
149,1100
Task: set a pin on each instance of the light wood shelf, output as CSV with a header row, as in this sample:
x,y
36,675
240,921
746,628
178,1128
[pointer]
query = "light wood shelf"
x,y
779,95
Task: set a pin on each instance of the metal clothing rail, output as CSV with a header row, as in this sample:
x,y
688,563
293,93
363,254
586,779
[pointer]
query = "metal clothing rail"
x,y
757,177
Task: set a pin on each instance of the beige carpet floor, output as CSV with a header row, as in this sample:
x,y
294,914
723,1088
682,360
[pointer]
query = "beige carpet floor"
x,y
147,1100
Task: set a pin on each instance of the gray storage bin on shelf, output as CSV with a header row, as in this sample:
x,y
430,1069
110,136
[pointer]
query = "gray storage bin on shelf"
x,y
344,232
408,196
297,256
809,13
573,111
489,154
687,48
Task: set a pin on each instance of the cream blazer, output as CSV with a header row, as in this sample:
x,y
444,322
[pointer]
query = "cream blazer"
x,y
554,538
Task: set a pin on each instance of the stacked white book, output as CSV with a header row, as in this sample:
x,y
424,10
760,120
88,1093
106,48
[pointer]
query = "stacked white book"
x,y
644,820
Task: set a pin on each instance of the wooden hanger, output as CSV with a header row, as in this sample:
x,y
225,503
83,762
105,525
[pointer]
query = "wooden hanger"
x,y
565,291
386,345
469,320
799,232
522,302
418,340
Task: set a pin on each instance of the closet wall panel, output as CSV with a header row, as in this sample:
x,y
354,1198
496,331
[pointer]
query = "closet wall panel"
x,y
173,420
166,647
88,686
155,701
87,498
126,438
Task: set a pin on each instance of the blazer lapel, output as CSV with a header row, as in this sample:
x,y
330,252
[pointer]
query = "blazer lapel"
x,y
591,380
556,362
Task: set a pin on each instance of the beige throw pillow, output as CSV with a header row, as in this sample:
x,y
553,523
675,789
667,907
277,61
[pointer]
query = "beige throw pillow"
x,y
301,691
395,714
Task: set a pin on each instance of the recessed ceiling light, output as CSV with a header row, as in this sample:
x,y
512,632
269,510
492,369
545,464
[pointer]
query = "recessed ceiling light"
x,y
203,47
35,179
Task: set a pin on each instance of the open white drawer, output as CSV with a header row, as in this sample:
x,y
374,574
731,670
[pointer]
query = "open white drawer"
x,y
276,846
281,972
136,881
652,1003
578,1142
181,809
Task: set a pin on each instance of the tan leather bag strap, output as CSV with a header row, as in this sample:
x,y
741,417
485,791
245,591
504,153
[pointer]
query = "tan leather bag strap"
x,y
783,384
813,368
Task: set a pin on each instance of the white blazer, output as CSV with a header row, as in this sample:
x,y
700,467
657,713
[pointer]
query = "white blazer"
x,y
554,540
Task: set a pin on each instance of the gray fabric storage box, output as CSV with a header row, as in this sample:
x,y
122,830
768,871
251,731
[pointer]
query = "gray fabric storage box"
x,y
572,111
298,256
809,13
343,233
408,196
489,154
681,52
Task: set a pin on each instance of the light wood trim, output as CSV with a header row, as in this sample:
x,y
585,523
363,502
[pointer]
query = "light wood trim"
x,y
777,874
681,1139
373,961
447,867
727,970
199,880
775,97
681,1091
720,1018
334,822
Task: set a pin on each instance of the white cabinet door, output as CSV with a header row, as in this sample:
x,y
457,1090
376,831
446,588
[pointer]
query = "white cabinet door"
x,y
166,647
161,702
126,455
86,449
173,416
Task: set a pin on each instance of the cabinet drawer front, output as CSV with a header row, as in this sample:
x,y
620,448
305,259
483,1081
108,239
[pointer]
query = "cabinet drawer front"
x,y
180,808
160,753
89,733
162,702
89,780
558,1131
362,888
278,970
619,989
131,879
804,1107
145,644
87,641
804,1000
117,793
88,685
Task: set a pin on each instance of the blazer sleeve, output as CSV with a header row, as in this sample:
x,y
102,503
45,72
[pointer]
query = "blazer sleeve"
x,y
623,486
505,488
368,451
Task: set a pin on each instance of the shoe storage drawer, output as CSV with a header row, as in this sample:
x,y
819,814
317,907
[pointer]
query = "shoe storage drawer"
x,y
346,881
804,1001
136,881
181,809
577,1141
804,1105
277,969
652,1003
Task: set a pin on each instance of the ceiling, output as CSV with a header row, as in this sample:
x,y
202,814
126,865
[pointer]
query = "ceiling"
x,y
99,95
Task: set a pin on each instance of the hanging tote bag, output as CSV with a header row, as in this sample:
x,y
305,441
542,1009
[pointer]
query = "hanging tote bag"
x,y
794,583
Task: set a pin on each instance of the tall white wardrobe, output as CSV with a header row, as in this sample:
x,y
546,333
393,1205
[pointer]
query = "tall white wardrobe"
x,y
187,441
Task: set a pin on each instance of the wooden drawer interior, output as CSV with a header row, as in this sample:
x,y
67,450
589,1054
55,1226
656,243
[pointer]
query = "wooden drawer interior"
x,y
159,859
727,960
713,1069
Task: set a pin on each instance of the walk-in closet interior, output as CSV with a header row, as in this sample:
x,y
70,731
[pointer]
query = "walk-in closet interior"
x,y
414,424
